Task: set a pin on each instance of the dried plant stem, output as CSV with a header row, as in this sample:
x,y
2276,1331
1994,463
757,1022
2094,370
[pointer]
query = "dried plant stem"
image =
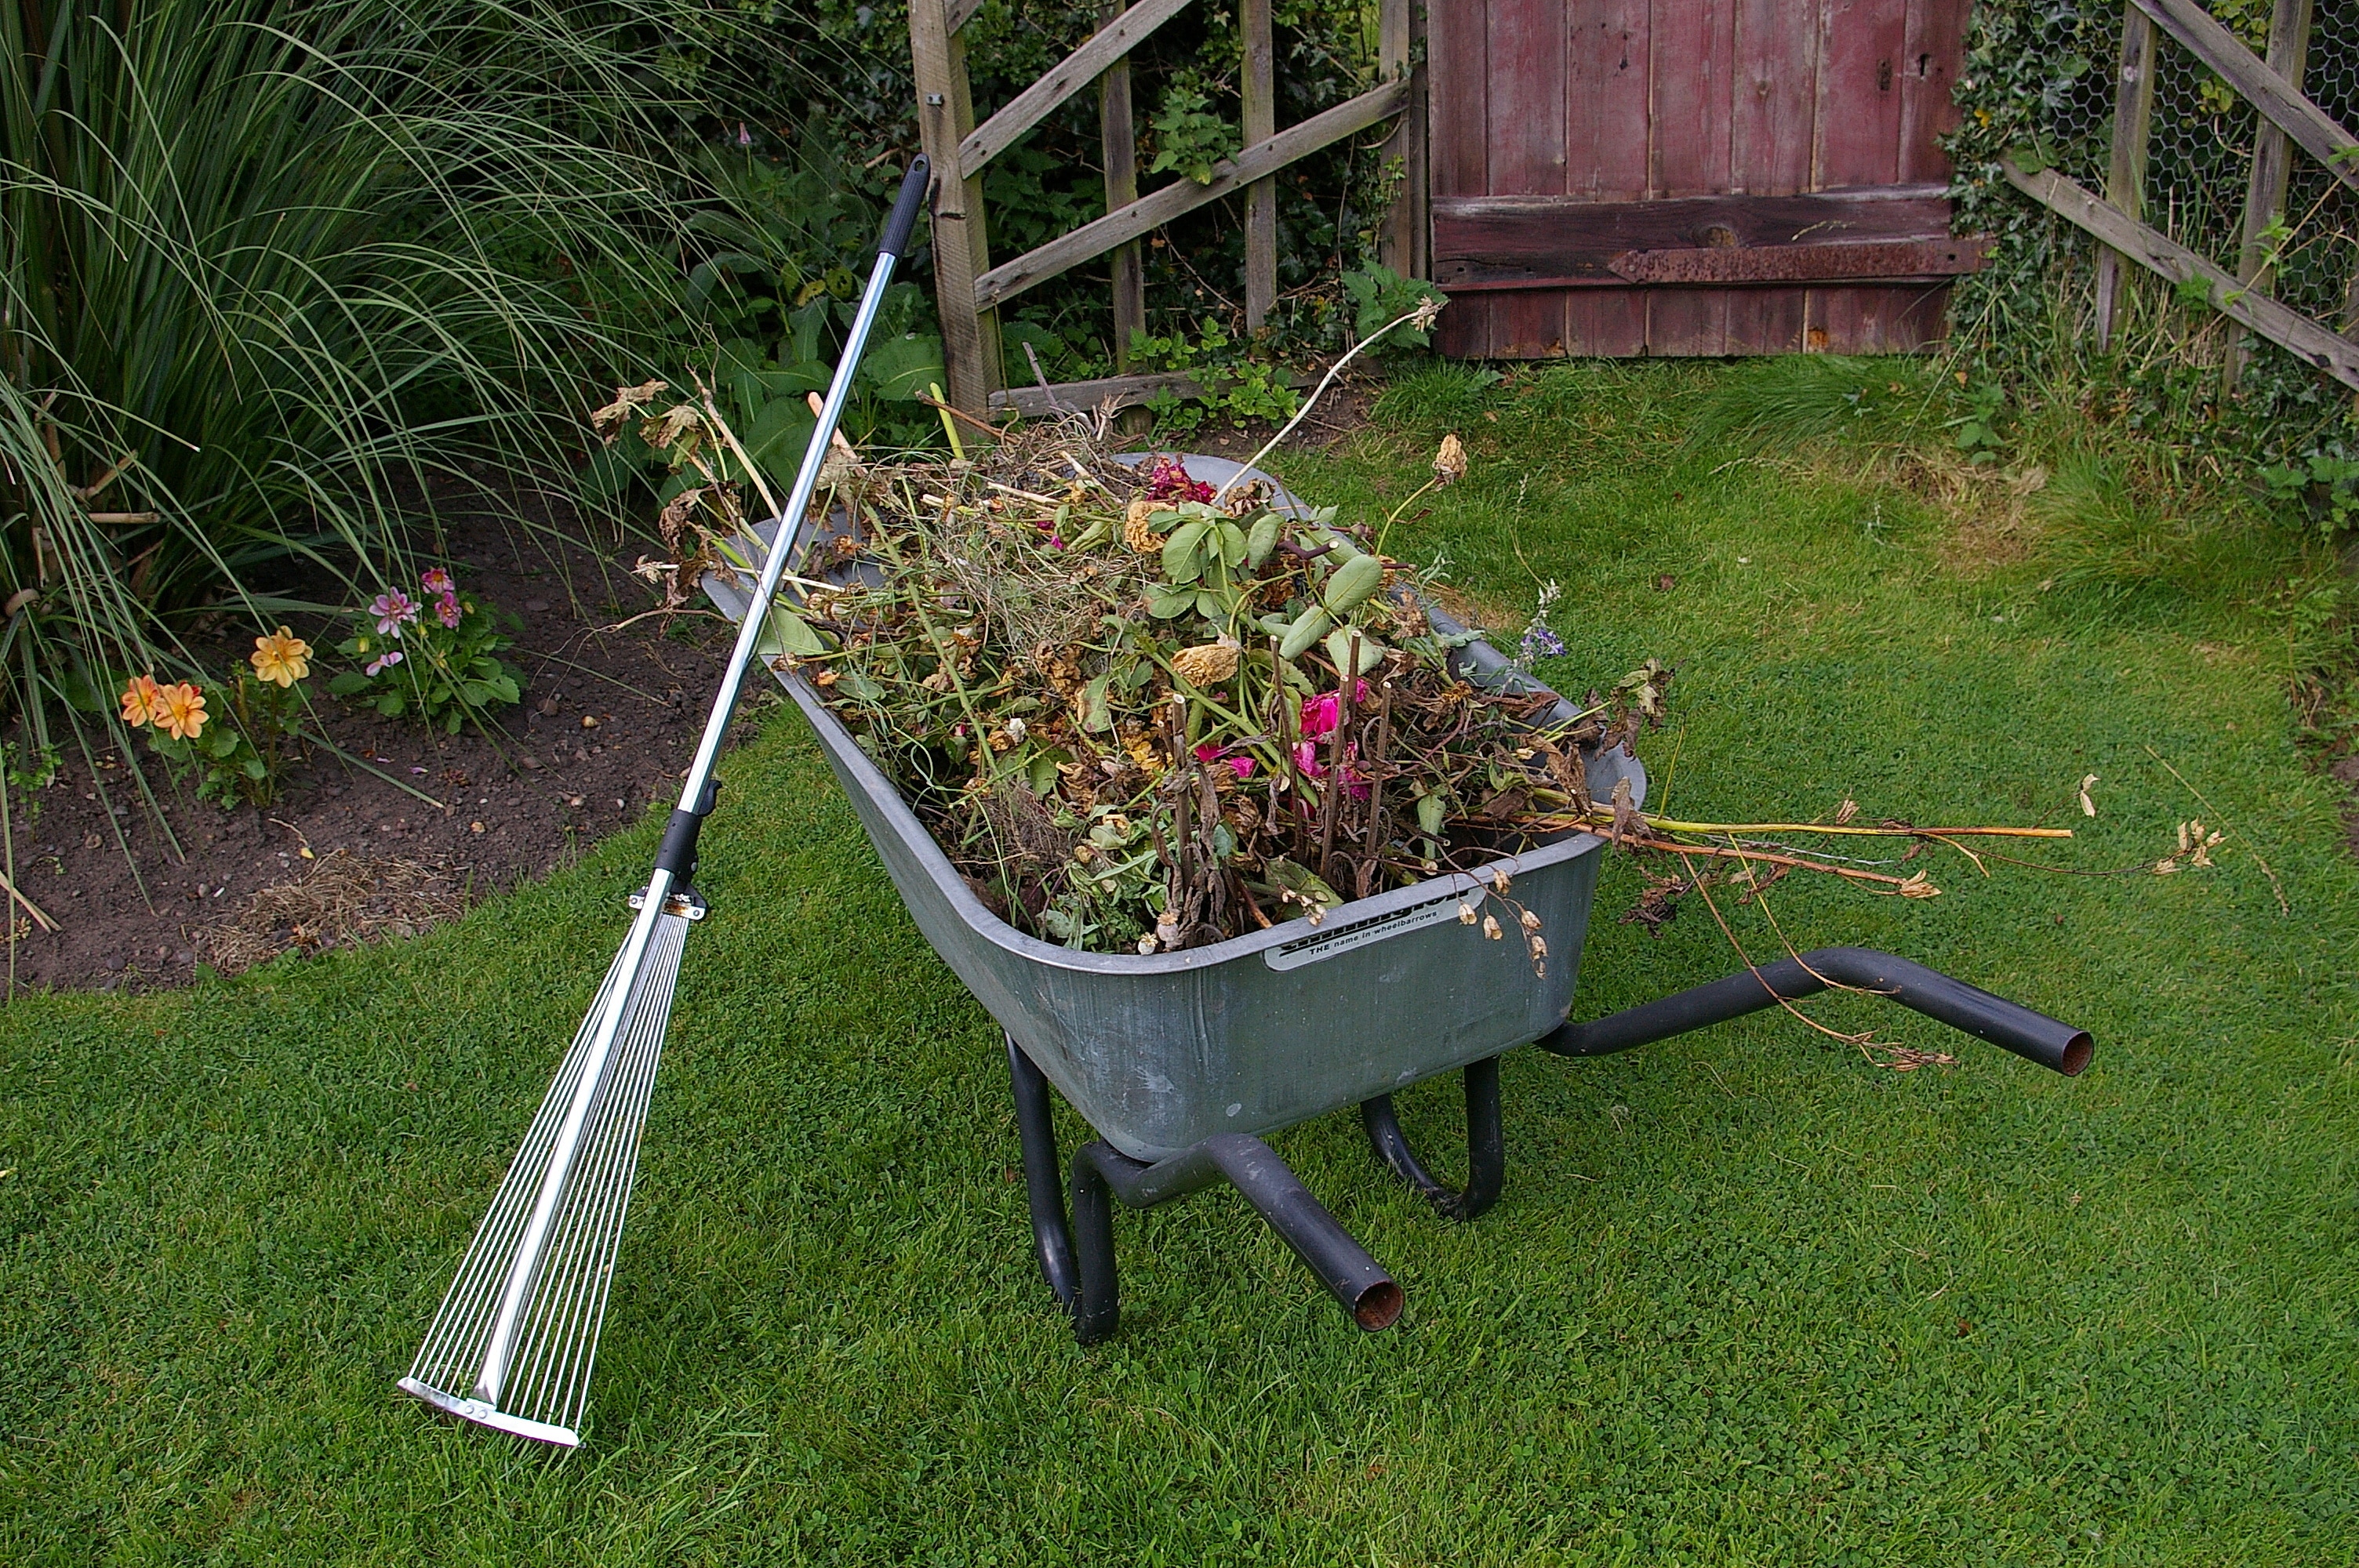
x,y
1796,862
1424,308
2221,818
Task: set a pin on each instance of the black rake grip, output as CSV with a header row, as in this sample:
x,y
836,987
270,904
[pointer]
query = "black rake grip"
x,y
905,207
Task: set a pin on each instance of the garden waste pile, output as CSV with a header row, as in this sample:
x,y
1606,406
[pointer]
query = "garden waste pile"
x,y
1141,714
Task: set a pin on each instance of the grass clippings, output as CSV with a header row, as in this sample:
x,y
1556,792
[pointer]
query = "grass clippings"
x,y
342,900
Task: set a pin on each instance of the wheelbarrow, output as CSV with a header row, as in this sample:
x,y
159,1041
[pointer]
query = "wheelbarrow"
x,y
1181,1061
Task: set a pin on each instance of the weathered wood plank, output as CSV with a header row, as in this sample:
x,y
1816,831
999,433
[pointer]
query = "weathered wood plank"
x,y
2281,104
1526,137
1259,96
2126,177
2298,334
959,13
1401,242
961,240
2264,193
1610,64
1523,243
1930,59
1458,81
1878,259
1118,148
1772,131
1691,54
1095,238
1859,94
1075,71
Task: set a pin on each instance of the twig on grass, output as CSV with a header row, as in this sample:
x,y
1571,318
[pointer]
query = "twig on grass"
x,y
2220,817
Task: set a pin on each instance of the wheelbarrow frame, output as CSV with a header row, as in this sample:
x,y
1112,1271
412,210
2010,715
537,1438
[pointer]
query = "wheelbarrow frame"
x,y
1178,1061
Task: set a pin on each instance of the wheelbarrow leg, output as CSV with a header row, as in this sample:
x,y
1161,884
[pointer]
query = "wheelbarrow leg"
x,y
1078,1260
1486,1146
1052,1239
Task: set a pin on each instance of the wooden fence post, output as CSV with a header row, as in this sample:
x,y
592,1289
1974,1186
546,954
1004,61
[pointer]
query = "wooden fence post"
x,y
962,244
2272,161
2126,179
1260,95
1118,139
1403,242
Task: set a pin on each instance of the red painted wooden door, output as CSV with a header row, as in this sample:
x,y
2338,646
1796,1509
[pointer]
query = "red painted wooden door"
x,y
1693,177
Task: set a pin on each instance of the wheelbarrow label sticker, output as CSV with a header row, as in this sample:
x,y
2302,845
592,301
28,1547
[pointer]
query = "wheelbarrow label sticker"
x,y
1327,944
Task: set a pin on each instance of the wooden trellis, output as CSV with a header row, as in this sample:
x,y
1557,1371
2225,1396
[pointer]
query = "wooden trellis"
x,y
2288,119
970,289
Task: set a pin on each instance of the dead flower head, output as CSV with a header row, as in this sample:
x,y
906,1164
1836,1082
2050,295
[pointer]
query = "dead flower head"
x,y
1136,531
1491,927
1450,463
1207,665
608,421
1428,311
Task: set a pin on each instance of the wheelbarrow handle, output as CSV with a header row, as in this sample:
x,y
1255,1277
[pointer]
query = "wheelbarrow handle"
x,y
2009,1025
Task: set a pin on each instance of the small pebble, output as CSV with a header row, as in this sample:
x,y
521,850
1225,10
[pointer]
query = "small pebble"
x,y
536,605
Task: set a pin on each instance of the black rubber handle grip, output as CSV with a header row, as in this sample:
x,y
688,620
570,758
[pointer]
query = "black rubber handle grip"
x,y
905,207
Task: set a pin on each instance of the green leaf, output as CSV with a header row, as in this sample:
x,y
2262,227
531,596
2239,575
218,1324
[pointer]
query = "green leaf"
x,y
787,632
390,705
1097,718
1430,809
902,368
348,683
1165,602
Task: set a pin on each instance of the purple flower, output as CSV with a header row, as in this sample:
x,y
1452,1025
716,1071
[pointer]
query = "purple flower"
x,y
447,608
744,136
385,661
436,580
1539,642
393,610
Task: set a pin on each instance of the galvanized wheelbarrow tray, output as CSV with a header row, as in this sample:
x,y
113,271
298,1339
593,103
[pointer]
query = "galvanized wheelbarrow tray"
x,y
1180,1060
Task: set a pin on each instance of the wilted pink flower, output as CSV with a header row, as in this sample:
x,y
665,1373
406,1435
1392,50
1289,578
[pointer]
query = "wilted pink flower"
x,y
393,610
385,661
447,608
1320,713
1167,480
436,580
1240,765
744,136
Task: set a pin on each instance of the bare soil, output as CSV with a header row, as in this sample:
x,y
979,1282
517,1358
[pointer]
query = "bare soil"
x,y
609,720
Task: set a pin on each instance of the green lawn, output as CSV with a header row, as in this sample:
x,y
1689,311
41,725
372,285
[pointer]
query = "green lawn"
x,y
1748,1299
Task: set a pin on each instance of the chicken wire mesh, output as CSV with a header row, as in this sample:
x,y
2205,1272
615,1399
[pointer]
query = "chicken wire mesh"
x,y
2200,147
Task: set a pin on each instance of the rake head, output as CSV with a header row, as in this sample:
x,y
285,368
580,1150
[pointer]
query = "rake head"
x,y
513,1345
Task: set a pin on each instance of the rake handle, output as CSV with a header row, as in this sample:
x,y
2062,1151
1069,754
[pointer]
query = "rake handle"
x,y
679,853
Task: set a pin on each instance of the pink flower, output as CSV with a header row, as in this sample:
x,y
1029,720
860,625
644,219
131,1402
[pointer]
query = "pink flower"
x,y
1320,713
1167,480
436,580
447,608
385,661
1307,758
1240,765
393,610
